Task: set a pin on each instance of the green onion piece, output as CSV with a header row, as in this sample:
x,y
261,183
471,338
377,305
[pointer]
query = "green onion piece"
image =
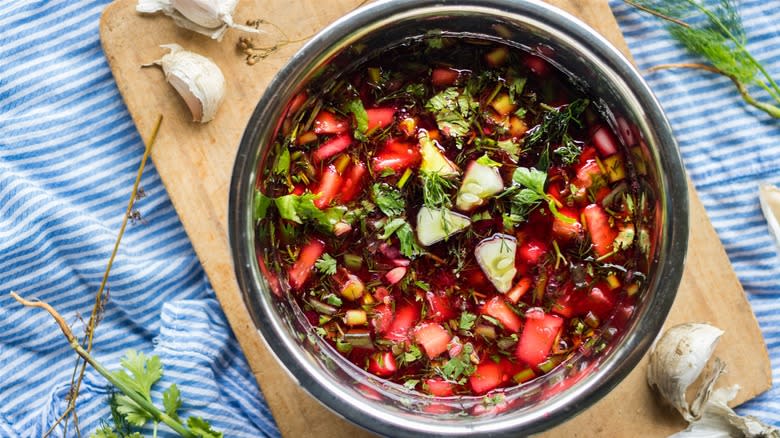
x,y
359,338
591,320
405,177
524,376
343,347
353,261
550,363
321,307
486,331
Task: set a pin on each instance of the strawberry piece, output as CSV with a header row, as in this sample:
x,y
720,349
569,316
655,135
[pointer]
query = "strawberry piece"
x,y
439,387
379,118
566,230
406,316
444,77
332,147
604,140
519,289
599,300
396,155
532,251
328,123
382,318
537,65
499,309
382,364
353,179
601,234
537,339
296,103
439,307
300,271
487,377
330,184
433,338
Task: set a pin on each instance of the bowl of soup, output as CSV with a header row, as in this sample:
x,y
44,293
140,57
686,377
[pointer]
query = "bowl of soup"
x,y
456,218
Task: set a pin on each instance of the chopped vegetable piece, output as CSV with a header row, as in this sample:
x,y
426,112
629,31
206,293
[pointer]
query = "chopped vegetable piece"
x,y
499,309
601,233
329,187
503,104
439,387
304,265
433,338
406,315
332,147
356,317
479,183
488,376
519,289
605,141
537,339
497,56
444,77
396,156
353,182
382,364
328,123
435,225
616,171
379,118
496,257
433,159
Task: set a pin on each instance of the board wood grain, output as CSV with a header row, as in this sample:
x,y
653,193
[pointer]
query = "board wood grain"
x,y
195,163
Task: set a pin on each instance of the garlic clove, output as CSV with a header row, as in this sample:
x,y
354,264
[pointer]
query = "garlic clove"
x,y
677,360
197,79
719,420
207,17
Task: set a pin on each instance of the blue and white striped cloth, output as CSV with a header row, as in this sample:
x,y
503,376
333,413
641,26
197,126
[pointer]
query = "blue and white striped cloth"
x,y
68,154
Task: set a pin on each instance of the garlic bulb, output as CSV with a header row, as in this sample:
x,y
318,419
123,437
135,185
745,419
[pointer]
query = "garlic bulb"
x,y
196,78
676,361
207,17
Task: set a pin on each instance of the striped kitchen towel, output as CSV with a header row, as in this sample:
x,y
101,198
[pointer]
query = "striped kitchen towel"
x,y
68,157
729,148
68,154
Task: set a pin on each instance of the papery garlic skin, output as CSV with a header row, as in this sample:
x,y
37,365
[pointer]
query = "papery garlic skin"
x,y
207,17
676,361
196,78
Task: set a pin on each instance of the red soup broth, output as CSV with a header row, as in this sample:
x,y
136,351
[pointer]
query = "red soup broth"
x,y
455,218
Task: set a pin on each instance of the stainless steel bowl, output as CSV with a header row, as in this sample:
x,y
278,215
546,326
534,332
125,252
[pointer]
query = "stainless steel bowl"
x,y
624,99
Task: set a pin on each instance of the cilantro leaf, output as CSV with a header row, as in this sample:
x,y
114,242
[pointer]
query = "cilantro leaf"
x,y
282,163
467,321
326,264
389,200
172,401
454,110
301,208
261,204
516,88
143,373
409,246
104,431
485,160
361,118
534,179
201,428
527,193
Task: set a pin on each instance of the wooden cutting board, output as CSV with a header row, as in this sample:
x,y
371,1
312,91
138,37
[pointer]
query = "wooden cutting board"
x,y
195,163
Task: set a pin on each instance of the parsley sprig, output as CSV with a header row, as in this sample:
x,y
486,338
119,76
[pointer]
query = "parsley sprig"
x,y
527,193
718,36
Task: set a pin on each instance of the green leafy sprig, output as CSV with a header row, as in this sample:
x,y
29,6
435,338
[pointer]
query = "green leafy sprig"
x,y
717,35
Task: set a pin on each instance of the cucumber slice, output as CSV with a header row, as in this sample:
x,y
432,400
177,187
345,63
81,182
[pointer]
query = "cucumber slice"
x,y
496,257
435,225
433,160
479,183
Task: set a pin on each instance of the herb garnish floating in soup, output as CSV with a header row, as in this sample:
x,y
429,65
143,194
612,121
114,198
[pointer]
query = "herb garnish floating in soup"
x,y
454,219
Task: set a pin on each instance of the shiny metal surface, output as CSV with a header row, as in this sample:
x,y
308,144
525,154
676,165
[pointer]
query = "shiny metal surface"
x,y
623,98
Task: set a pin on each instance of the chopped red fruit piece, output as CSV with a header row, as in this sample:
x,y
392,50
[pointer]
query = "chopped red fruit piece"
x,y
379,118
599,300
382,364
499,309
444,77
587,174
296,103
406,316
566,230
537,65
396,155
601,234
330,184
331,147
487,377
532,251
328,123
537,339
439,387
433,338
605,141
439,307
382,318
300,271
353,182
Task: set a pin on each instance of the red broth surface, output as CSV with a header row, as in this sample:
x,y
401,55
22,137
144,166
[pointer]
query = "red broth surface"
x,y
456,218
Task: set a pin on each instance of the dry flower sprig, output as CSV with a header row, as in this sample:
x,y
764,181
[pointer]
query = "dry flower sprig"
x,y
718,36
100,298
254,52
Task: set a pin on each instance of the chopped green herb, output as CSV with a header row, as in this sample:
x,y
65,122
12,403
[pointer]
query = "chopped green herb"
x,y
467,321
485,160
326,264
389,200
361,118
261,204
435,190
